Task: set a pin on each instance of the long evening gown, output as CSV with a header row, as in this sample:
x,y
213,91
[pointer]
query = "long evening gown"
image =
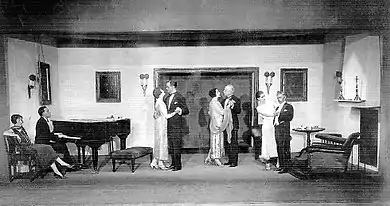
x,y
220,120
216,135
268,146
160,149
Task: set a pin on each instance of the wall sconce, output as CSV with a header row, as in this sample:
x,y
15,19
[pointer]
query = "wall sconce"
x,y
268,80
31,84
144,82
339,76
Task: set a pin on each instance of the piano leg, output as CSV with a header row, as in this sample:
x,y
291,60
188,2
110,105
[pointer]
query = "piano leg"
x,y
81,154
83,148
95,158
95,144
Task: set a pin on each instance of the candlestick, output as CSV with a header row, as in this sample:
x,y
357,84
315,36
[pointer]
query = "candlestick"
x,y
357,98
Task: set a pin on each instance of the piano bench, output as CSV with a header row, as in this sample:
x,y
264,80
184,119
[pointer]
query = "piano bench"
x,y
131,154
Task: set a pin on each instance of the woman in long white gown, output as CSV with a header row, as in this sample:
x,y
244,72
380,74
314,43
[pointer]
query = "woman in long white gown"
x,y
266,110
219,121
160,149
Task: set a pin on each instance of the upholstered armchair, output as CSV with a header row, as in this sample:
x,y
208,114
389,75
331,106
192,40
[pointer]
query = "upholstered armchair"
x,y
329,156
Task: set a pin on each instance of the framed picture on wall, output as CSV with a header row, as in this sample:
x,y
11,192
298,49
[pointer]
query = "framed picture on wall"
x,y
45,84
293,81
108,86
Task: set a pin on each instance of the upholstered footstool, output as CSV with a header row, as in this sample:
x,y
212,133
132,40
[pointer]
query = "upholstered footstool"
x,y
131,154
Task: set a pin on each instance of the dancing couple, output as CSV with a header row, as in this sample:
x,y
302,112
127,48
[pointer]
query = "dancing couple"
x,y
274,131
223,127
169,127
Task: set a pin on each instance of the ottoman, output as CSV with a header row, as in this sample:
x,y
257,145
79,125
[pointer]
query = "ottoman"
x,y
131,154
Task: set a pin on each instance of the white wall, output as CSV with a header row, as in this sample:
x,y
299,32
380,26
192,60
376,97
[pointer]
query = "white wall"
x,y
73,80
361,58
4,107
77,68
22,61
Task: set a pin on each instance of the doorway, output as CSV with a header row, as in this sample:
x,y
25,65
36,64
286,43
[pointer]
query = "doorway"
x,y
194,84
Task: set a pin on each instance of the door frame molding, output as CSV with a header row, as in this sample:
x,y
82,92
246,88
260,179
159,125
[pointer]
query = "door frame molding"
x,y
253,71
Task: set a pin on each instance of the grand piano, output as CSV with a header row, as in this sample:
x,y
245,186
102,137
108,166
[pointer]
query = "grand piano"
x,y
94,133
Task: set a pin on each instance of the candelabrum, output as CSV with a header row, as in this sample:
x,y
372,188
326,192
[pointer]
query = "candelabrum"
x,y
357,98
144,82
340,81
268,80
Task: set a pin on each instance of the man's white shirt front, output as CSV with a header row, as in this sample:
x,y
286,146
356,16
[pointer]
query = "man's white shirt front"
x,y
50,123
279,110
170,100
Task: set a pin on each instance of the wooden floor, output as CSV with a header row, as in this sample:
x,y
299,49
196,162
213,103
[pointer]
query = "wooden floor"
x,y
195,184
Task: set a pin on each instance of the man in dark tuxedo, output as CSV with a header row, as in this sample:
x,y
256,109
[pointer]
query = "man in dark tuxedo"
x,y
177,126
282,117
231,147
45,134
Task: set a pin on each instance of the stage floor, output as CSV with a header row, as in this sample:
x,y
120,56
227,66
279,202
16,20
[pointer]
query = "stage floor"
x,y
197,183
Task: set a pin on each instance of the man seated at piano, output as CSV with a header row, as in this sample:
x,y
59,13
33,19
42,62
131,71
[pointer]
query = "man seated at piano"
x,y
45,134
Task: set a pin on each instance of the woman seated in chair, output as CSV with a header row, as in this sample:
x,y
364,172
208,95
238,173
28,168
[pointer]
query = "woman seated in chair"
x,y
44,155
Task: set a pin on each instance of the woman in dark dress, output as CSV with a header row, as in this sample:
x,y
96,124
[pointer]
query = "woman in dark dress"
x,y
44,155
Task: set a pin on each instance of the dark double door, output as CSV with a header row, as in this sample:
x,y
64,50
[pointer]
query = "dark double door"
x,y
194,85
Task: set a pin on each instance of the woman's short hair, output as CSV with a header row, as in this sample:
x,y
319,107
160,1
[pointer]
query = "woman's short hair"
x,y
157,92
259,93
41,110
15,117
213,92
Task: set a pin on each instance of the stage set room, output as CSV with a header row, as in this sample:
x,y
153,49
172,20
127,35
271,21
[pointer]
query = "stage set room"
x,y
88,71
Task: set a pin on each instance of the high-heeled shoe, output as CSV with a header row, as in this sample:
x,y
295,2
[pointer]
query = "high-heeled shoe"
x,y
59,176
218,163
207,161
153,166
71,167
34,176
162,166
268,166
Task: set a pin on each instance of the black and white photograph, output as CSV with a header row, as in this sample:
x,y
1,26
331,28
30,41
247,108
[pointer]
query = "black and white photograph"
x,y
194,102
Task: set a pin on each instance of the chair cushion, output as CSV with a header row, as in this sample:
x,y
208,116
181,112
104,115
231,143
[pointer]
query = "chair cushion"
x,y
132,152
331,138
